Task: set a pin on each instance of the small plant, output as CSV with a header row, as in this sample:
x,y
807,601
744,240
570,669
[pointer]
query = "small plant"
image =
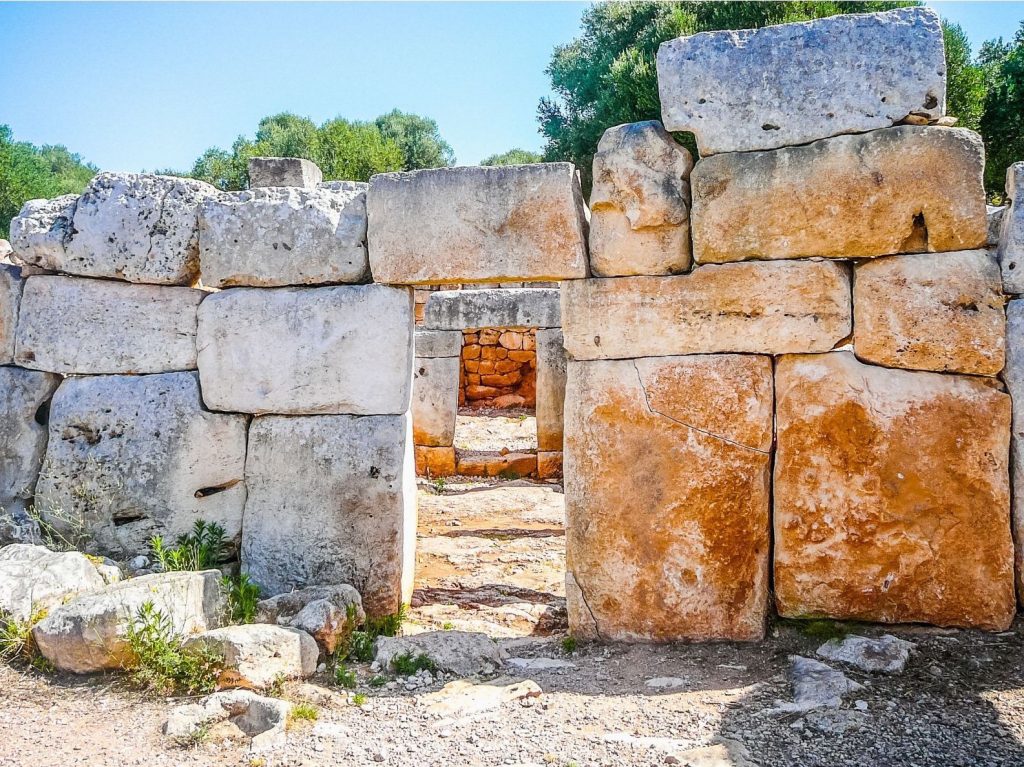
x,y
243,595
387,625
201,549
16,643
358,645
439,485
359,699
821,629
158,661
303,712
509,474
196,738
447,626
406,664
257,761
345,677
276,688
378,681
569,645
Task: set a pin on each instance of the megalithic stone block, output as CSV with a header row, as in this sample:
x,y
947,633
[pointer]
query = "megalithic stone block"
x,y
283,171
493,308
551,362
1013,375
435,400
11,286
1011,232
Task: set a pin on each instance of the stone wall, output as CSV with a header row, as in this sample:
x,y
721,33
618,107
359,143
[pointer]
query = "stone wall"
x,y
499,368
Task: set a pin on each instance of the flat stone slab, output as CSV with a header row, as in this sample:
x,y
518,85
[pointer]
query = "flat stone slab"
x,y
285,236
137,456
742,90
1011,231
438,343
283,171
875,655
465,653
905,515
264,720
761,308
73,326
11,286
667,467
435,400
493,308
332,499
932,311
1013,375
907,189
477,224
307,350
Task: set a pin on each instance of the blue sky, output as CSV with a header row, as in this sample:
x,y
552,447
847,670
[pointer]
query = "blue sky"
x,y
145,86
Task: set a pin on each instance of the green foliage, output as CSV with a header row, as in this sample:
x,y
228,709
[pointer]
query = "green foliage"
x,y
304,712
419,139
358,646
1002,124
359,699
965,83
513,157
439,485
159,663
28,172
201,549
407,664
344,676
509,474
16,643
378,680
820,629
243,595
569,645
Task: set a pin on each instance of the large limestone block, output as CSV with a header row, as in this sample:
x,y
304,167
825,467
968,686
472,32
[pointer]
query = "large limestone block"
x,y
666,494
256,655
1011,232
640,203
435,400
11,286
285,236
477,224
137,456
795,83
438,343
763,308
74,326
332,499
283,171
493,308
34,579
1013,375
932,311
90,632
906,189
41,229
551,363
307,350
891,495
137,227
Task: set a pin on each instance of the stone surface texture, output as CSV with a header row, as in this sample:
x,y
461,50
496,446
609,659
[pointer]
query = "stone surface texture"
x,y
257,654
477,224
891,495
71,325
435,400
283,171
551,362
931,311
761,308
666,493
89,633
34,579
995,222
741,90
640,202
332,499
875,655
137,456
264,720
11,286
41,229
438,343
275,236
435,461
465,653
307,350
1011,231
1013,375
493,308
817,685
906,189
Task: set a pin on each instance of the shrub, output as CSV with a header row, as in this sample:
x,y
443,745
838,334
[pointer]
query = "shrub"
x,y
344,676
358,646
201,549
569,645
303,712
243,596
406,664
16,643
160,664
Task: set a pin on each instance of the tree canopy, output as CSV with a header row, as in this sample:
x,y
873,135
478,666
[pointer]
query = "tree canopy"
x,y
513,157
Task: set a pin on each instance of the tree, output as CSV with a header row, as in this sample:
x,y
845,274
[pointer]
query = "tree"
x,y
965,80
354,150
419,139
513,157
1002,124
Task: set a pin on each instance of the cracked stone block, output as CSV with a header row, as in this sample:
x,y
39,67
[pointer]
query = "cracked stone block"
x,y
435,400
72,325
284,171
509,223
667,484
285,236
40,231
493,308
299,351
551,361
138,456
758,307
11,286
438,343
1013,375
932,311
332,499
814,79
891,492
1011,231
907,189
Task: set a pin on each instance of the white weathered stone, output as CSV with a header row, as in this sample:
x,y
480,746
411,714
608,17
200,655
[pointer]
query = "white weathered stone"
x,y
438,343
323,612
34,579
6,251
1011,232
477,224
435,400
264,720
759,307
739,90
277,236
1013,375
994,215
136,227
75,326
640,203
493,308
461,698
551,361
138,456
40,231
465,653
332,499
257,654
11,285
326,350
89,633
875,655
283,171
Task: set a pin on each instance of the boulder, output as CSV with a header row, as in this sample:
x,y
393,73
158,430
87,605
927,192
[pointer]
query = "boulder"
x,y
332,499
307,350
640,202
477,224
493,308
320,611
34,579
257,654
740,90
1011,232
875,655
667,471
135,456
40,231
438,343
89,633
906,189
463,653
11,285
435,400
263,720
551,363
283,171
932,311
285,236
1013,375
74,326
760,308
891,495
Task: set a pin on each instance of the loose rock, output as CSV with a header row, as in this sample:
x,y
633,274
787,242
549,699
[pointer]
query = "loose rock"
x,y
257,654
321,611
264,720
464,653
34,579
882,655
816,685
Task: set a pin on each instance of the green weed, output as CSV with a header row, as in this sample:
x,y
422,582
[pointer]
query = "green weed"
x,y
569,645
158,661
201,549
344,676
243,595
407,664
359,699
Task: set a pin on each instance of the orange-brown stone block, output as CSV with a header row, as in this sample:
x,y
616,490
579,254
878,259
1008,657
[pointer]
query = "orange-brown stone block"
x,y
511,340
892,498
471,352
435,461
475,391
506,379
522,356
549,464
666,493
509,465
